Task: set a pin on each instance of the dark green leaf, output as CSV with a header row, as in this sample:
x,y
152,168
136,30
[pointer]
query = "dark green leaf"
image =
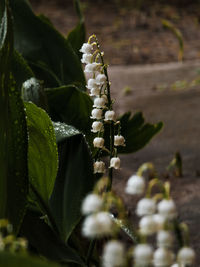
x,y
13,135
70,105
40,44
20,70
76,37
15,260
42,151
74,180
41,237
136,132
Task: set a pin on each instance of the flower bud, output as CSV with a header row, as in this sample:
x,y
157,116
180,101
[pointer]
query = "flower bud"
x,y
186,256
101,79
159,220
115,163
147,225
113,254
167,208
97,126
99,102
86,48
99,167
143,254
86,58
146,206
92,203
164,239
163,257
92,67
98,142
110,115
119,140
96,114
135,185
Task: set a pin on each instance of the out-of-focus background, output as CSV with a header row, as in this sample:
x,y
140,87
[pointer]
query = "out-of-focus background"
x,y
132,31
153,49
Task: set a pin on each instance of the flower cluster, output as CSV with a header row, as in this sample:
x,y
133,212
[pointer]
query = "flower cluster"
x,y
102,113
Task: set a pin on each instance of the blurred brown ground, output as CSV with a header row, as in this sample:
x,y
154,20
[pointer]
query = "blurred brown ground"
x,y
131,32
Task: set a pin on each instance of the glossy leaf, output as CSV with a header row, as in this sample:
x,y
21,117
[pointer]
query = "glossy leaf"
x,y
41,237
70,105
77,36
74,180
48,53
13,135
42,151
15,260
136,132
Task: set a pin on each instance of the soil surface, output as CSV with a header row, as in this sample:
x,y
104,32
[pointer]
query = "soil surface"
x,y
129,34
164,92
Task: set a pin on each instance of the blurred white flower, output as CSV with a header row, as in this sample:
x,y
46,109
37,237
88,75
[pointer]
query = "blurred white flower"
x,y
143,255
186,256
135,185
147,225
113,254
163,257
164,239
115,163
92,203
95,92
159,220
99,167
110,115
119,140
99,102
167,208
96,114
146,206
101,79
92,67
97,126
86,58
86,48
97,225
98,142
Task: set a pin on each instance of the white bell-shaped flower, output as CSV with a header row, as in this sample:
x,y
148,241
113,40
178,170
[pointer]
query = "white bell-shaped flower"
x,y
115,163
92,84
99,102
96,114
119,140
97,126
159,220
99,167
113,254
135,185
86,48
143,255
167,208
186,256
92,67
101,79
163,257
110,115
98,142
95,92
146,206
147,225
164,239
92,203
86,58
